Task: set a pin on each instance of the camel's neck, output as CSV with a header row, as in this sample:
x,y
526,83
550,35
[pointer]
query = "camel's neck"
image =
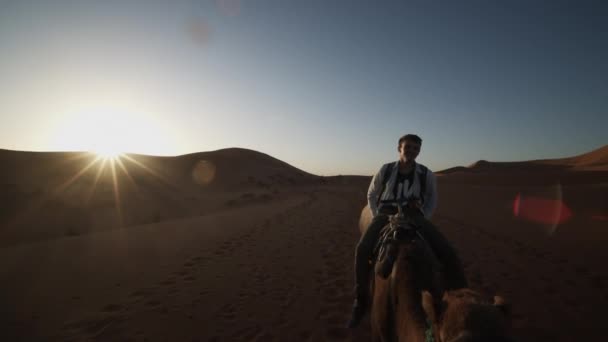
x,y
410,277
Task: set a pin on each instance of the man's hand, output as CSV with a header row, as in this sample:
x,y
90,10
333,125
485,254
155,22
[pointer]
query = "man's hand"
x,y
414,204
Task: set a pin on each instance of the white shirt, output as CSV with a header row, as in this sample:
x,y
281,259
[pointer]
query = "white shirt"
x,y
406,191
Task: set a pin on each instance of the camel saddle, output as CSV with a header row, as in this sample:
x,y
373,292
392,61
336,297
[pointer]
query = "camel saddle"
x,y
399,229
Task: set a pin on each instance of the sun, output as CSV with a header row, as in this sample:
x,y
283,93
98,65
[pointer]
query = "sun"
x,y
108,153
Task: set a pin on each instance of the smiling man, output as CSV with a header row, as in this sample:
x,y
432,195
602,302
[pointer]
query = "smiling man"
x,y
403,179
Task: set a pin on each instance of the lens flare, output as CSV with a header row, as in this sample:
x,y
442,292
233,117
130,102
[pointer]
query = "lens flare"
x,y
547,211
112,161
204,172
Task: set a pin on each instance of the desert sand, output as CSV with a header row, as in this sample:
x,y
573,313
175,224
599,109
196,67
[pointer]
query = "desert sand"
x,y
234,245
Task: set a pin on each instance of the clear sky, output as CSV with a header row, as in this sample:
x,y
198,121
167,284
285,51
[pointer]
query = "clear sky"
x,y
325,85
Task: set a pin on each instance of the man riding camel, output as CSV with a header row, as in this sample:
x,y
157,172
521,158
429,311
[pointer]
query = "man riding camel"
x,y
403,179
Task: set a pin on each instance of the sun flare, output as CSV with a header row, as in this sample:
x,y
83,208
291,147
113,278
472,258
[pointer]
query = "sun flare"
x,y
108,153
110,132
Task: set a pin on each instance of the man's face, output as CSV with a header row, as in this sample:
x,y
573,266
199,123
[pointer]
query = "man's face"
x,y
408,151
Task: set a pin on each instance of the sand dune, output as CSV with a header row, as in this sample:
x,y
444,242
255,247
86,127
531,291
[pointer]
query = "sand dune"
x,y
50,195
590,168
259,272
272,259
596,160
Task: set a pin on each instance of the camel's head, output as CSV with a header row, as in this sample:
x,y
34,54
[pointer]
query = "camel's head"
x,y
465,316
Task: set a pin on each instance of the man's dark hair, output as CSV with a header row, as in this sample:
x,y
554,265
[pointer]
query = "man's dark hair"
x,y
410,137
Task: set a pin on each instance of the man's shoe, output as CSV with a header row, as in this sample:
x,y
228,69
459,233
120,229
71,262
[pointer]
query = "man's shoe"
x,y
359,309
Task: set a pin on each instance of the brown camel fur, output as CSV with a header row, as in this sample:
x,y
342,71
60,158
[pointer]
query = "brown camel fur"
x,y
464,315
412,301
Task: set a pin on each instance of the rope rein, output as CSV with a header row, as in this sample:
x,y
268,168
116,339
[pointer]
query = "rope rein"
x,y
429,336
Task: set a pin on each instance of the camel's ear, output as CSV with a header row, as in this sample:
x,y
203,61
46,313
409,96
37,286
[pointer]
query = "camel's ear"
x,y
502,305
428,305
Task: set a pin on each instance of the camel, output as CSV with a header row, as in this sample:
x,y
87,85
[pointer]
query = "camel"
x,y
411,305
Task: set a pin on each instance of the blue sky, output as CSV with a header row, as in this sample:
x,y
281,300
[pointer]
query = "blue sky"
x,y
327,86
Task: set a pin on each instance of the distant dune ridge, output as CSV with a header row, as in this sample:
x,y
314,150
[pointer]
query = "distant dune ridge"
x,y
596,160
235,166
586,168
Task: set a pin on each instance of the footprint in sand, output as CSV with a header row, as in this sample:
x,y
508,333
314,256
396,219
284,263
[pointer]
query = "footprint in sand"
x,y
330,293
550,289
305,335
580,270
336,333
228,311
246,334
199,259
152,303
560,261
190,278
167,282
172,291
93,326
112,308
329,310
287,303
598,282
140,293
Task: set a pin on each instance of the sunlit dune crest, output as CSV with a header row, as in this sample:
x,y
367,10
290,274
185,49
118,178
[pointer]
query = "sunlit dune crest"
x,y
596,160
108,153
